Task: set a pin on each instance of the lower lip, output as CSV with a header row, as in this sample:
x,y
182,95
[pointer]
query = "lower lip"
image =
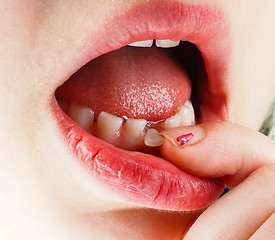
x,y
139,178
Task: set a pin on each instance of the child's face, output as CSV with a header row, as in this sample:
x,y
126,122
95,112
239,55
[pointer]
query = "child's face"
x,y
43,42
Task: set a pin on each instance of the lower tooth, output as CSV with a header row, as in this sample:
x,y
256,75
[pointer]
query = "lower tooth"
x,y
83,116
152,138
108,125
184,117
172,122
187,117
134,127
190,112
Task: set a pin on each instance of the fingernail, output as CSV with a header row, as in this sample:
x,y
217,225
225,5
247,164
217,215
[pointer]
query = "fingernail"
x,y
184,136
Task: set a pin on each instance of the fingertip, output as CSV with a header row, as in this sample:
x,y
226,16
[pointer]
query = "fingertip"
x,y
183,136
179,142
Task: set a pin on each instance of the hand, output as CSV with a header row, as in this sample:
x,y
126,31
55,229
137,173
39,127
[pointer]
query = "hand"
x,y
245,159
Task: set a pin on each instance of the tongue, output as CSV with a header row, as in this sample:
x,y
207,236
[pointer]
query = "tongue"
x,y
145,83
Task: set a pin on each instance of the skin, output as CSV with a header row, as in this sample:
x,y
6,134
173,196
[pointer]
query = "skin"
x,y
45,194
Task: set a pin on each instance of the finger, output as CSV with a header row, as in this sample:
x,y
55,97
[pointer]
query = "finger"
x,y
240,212
266,231
218,150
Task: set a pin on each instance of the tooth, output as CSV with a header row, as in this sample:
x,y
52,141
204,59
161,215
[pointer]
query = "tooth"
x,y
184,117
188,115
172,122
152,138
146,43
108,125
166,43
134,127
83,116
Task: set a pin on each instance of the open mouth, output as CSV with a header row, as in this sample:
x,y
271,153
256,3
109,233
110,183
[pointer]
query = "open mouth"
x,y
116,105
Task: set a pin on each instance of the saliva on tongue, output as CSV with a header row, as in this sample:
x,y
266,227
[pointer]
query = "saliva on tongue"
x,y
138,83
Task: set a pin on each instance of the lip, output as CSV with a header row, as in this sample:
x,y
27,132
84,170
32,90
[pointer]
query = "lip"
x,y
141,178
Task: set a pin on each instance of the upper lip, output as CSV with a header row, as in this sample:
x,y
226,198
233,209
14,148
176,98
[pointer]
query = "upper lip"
x,y
201,25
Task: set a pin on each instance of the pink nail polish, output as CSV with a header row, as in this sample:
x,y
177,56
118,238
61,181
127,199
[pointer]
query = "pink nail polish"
x,y
184,139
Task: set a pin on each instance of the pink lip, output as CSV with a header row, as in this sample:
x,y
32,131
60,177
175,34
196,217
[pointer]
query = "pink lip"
x,y
141,178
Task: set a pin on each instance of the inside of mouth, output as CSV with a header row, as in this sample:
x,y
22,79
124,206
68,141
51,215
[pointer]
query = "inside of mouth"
x,y
128,96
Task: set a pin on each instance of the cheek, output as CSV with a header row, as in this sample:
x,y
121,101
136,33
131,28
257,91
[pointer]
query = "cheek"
x,y
250,105
252,71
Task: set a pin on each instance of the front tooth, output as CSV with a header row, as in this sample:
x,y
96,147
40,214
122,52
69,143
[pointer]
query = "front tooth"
x,y
146,43
83,116
166,43
134,127
108,125
152,138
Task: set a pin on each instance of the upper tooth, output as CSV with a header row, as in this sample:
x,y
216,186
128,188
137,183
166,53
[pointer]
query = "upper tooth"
x,y
146,43
152,138
83,116
108,125
167,43
134,127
